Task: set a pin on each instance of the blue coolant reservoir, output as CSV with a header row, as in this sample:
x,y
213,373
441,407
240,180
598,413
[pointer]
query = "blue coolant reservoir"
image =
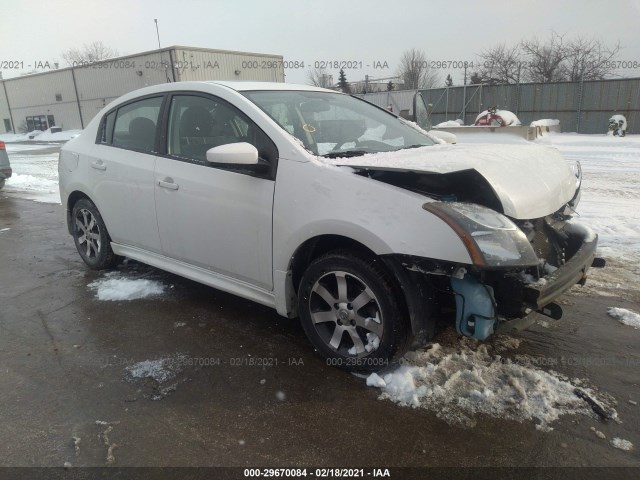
x,y
475,307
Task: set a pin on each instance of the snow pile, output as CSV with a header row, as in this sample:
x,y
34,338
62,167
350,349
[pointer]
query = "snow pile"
x,y
617,125
31,183
625,445
40,136
160,370
40,189
35,173
448,123
625,316
116,287
56,137
459,383
545,122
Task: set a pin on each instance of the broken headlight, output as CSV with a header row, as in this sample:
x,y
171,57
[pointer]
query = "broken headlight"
x,y
570,208
491,239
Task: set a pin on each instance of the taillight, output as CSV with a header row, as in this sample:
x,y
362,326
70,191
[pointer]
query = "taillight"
x,y
2,145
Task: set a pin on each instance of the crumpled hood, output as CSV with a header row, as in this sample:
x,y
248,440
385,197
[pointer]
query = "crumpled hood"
x,y
531,181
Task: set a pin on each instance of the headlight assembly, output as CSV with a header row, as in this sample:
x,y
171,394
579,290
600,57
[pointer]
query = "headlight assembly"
x,y
492,240
570,208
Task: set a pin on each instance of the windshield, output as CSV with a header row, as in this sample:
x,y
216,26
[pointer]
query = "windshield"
x,y
333,124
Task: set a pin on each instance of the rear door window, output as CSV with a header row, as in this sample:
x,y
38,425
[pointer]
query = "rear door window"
x,y
135,125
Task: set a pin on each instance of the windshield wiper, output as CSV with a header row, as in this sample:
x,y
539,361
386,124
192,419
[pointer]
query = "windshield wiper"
x,y
345,154
418,145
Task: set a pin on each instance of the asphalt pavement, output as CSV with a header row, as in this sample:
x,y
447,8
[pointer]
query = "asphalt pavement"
x,y
66,394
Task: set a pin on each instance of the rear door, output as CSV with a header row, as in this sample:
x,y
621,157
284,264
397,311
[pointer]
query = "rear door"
x,y
121,172
210,216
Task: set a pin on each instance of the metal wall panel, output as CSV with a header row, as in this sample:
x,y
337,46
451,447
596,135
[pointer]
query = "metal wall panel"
x,y
4,110
111,79
585,107
199,64
98,84
36,95
65,115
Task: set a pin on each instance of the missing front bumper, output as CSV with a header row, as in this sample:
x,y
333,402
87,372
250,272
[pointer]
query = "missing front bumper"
x,y
539,295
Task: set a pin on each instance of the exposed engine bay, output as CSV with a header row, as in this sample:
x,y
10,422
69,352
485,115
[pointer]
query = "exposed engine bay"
x,y
484,297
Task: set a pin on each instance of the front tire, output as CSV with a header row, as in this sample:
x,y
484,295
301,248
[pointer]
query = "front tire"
x,y
352,312
91,237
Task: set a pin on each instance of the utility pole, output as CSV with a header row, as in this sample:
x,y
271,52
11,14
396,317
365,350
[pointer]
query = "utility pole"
x,y
157,32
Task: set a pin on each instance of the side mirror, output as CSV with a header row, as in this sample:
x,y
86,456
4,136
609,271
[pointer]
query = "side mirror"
x,y
241,153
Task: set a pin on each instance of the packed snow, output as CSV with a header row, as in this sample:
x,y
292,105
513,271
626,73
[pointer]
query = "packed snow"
x,y
545,122
116,287
621,444
627,317
458,382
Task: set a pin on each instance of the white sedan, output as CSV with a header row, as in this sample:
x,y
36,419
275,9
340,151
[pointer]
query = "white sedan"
x,y
326,207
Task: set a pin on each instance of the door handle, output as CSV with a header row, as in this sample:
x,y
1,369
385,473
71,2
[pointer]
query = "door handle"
x,y
98,165
168,183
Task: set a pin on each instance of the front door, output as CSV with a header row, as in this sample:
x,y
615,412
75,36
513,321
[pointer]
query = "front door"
x,y
212,217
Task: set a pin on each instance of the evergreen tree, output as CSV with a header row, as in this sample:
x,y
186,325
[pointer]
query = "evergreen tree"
x,y
390,86
342,82
475,79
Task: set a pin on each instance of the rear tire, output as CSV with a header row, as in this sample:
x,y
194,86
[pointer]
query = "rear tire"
x,y
352,312
91,237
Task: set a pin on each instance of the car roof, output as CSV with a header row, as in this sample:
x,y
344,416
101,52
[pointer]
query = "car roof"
x,y
238,86
242,86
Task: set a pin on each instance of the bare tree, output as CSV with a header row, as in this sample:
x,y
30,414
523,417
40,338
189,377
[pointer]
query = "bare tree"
x,y
544,62
589,59
415,71
319,77
93,52
554,60
501,65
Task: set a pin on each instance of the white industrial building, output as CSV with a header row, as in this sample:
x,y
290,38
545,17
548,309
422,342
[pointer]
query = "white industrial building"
x,y
71,97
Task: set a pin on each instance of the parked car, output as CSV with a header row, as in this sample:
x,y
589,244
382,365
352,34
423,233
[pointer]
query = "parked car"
x,y
326,207
5,166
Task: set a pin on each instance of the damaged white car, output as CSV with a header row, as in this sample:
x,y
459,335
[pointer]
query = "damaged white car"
x,y
326,207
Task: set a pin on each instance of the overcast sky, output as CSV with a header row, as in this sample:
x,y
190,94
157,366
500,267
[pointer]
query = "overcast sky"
x,y
361,31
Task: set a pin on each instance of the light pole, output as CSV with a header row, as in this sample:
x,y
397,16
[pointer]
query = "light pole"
x,y
157,31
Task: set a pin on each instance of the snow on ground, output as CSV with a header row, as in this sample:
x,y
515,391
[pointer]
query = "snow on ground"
x,y
39,136
35,173
115,286
154,375
545,122
625,445
625,316
160,370
460,381
609,205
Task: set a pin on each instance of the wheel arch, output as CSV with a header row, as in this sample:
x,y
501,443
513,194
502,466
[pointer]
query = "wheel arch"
x,y
317,246
414,289
72,199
